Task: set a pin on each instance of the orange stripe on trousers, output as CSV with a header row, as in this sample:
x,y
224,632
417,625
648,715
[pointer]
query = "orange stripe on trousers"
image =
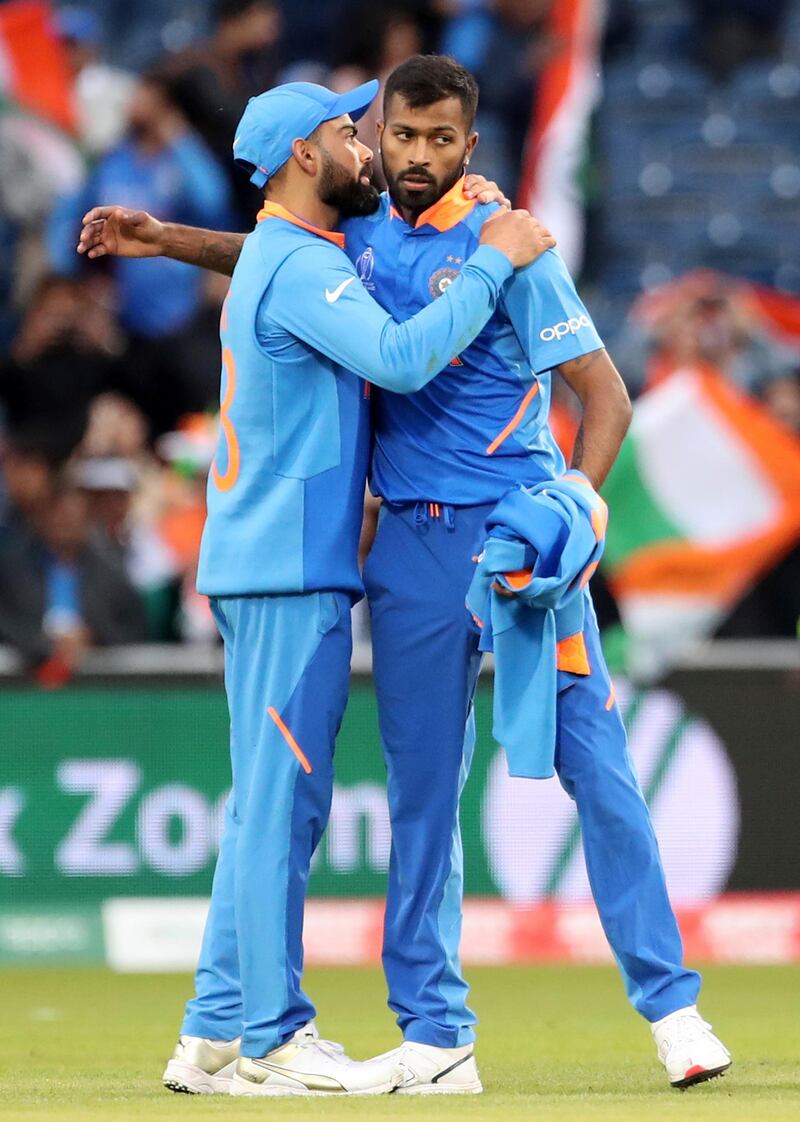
x,y
290,740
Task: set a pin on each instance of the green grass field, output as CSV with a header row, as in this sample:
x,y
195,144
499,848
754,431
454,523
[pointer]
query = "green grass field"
x,y
555,1043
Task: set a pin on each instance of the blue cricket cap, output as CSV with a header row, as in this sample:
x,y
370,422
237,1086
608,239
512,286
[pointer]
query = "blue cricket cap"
x,y
274,120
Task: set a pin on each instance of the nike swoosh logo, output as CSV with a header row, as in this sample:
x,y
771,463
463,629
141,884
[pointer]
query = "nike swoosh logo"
x,y
332,297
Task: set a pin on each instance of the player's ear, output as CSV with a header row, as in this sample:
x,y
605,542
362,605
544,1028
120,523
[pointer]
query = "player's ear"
x,y
472,140
305,155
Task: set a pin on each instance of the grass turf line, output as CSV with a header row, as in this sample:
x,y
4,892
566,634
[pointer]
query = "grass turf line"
x,y
555,1043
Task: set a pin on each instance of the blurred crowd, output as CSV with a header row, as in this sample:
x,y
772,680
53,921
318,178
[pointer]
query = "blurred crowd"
x,y
109,370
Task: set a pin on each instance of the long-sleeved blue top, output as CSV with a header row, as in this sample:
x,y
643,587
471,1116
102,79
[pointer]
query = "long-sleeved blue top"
x,y
299,333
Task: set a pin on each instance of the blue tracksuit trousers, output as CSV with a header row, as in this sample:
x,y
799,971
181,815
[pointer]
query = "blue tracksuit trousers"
x,y
425,655
287,663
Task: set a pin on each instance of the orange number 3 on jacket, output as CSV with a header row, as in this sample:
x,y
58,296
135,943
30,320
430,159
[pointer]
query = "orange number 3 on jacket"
x,y
224,481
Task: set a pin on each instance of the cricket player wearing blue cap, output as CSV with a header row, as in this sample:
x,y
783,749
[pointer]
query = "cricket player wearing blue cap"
x,y
443,457
299,332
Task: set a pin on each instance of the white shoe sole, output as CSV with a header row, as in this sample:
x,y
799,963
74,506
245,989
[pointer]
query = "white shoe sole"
x,y
442,1089
699,1076
186,1079
243,1088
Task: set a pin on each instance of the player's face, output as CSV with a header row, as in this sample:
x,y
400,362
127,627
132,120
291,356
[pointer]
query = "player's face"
x,y
345,179
424,150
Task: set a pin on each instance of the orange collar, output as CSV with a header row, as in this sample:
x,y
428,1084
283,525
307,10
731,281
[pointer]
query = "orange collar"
x,y
275,210
448,211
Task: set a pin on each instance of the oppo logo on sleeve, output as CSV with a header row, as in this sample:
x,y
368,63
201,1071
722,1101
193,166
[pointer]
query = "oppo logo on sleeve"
x,y
569,326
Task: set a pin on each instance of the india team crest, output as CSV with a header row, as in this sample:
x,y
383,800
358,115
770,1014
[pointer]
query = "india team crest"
x,y
441,280
365,267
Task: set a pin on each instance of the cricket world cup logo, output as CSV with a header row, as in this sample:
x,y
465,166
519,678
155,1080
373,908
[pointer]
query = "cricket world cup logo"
x,y
365,267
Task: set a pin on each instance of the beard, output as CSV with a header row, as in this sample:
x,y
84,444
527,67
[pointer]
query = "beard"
x,y
351,197
419,201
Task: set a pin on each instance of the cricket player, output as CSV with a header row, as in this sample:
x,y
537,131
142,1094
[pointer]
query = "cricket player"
x,y
443,456
279,561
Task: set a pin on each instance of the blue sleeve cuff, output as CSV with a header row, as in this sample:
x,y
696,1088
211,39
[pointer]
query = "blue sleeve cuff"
x,y
493,264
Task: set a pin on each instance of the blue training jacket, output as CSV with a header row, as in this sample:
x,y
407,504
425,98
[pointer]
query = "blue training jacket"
x,y
286,487
543,545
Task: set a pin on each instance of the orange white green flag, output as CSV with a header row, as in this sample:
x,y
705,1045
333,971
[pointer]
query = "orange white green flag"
x,y
703,499
557,145
33,67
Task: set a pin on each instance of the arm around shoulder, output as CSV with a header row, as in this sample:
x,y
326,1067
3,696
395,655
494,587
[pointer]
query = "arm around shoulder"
x,y
317,296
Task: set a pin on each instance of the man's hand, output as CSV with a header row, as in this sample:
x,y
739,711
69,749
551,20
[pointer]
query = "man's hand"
x,y
113,231
116,232
518,235
484,190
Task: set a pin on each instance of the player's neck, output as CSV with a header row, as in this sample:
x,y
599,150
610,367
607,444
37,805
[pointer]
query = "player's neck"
x,y
304,204
410,215
407,213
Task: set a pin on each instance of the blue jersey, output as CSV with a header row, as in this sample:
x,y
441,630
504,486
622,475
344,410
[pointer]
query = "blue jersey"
x,y
286,488
482,424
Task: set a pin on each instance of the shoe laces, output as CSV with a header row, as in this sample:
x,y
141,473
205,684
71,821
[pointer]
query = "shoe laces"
x,y
329,1047
684,1030
691,1024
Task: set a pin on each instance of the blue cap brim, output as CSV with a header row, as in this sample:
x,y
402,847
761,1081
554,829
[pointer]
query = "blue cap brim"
x,y
355,102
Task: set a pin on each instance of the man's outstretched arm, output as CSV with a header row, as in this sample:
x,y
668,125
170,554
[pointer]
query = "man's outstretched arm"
x,y
114,231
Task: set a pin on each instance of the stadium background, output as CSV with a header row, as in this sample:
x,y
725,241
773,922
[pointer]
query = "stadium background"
x,y
660,139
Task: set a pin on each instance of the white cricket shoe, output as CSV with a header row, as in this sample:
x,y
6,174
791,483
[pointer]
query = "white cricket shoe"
x,y
429,1070
201,1067
688,1048
308,1065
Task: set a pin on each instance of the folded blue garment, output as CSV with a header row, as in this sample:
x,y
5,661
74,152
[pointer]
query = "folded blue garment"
x,y
543,544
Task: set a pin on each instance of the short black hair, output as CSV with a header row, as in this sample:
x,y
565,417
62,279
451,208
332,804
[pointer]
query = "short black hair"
x,y
423,80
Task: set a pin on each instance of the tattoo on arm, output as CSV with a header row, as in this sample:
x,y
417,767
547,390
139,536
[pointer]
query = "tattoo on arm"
x,y
220,252
578,366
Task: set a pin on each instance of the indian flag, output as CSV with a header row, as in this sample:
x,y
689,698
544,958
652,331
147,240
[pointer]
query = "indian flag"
x,y
556,148
704,498
33,68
